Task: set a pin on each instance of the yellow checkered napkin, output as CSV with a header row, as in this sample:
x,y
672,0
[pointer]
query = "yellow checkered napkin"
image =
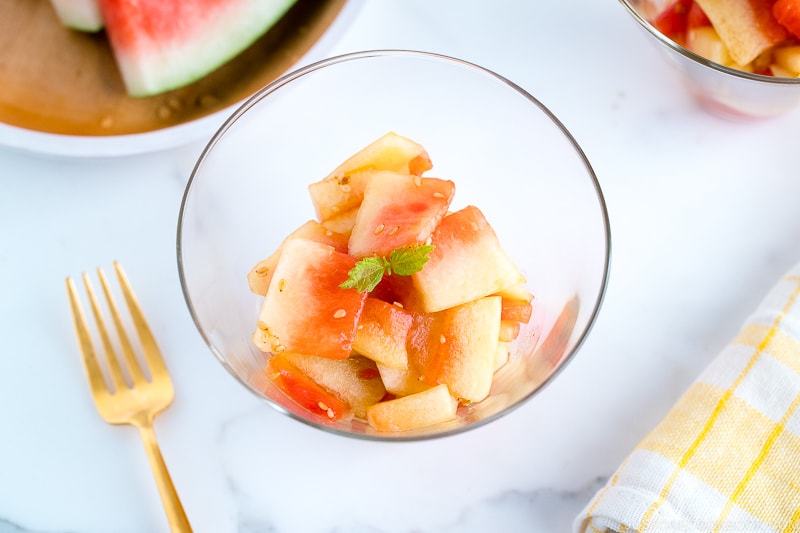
x,y
727,456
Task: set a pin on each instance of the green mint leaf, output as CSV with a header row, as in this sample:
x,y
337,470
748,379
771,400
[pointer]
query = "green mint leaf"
x,y
407,260
403,261
366,274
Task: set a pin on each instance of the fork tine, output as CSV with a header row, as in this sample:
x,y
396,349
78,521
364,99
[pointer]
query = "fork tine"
x,y
93,372
135,370
149,346
117,377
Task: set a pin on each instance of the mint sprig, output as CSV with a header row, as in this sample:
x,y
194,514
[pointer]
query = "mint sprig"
x,y
403,261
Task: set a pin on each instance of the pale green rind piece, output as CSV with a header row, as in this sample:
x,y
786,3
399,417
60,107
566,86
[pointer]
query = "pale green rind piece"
x,y
81,15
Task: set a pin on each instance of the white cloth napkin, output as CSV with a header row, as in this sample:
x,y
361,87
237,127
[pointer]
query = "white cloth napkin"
x,y
726,458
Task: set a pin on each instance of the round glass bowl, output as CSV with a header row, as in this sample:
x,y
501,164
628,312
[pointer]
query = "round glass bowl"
x,y
505,151
721,90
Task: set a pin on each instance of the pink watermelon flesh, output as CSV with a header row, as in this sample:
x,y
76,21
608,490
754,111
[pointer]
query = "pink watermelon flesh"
x,y
398,210
82,15
161,45
305,311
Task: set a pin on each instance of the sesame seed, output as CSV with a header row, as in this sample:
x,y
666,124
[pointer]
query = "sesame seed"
x,y
262,271
164,112
331,414
340,313
175,103
394,230
263,325
323,406
437,194
398,304
418,181
328,233
281,285
379,228
345,188
278,348
442,339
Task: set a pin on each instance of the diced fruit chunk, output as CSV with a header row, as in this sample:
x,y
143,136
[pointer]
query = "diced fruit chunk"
x,y
788,57
305,311
355,380
706,42
467,263
509,330
747,27
304,391
424,340
516,292
671,21
382,333
467,344
696,18
339,196
261,274
516,310
342,223
425,408
787,13
343,189
777,70
397,210
402,382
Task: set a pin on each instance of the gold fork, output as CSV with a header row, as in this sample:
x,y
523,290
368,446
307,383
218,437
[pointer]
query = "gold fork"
x,y
140,401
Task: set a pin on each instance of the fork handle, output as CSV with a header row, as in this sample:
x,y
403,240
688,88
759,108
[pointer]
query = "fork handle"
x,y
176,517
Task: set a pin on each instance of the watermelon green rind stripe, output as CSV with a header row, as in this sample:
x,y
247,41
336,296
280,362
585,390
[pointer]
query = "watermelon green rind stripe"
x,y
153,66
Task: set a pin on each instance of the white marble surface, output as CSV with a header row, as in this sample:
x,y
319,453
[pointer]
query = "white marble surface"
x,y
705,216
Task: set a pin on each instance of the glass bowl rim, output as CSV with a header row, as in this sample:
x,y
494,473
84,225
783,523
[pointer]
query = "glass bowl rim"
x,y
353,56
697,58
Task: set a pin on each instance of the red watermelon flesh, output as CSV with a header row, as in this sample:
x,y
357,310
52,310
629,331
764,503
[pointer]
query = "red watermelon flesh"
x,y
161,45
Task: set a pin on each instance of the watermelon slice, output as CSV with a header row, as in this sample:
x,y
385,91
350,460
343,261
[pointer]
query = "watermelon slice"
x,y
161,45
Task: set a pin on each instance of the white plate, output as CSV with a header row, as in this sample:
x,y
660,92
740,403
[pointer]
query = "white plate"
x,y
33,140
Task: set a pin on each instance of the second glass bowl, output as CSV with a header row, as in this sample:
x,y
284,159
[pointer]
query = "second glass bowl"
x,y
721,90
